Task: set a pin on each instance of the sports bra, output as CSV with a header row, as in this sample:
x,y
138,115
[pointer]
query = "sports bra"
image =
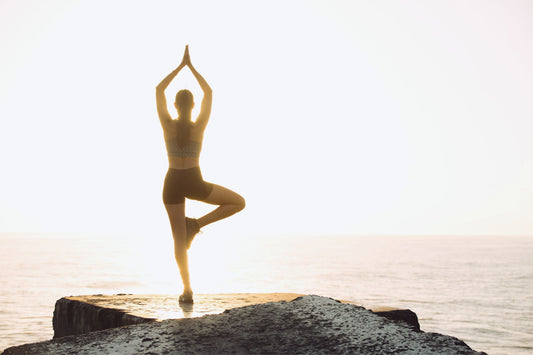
x,y
191,150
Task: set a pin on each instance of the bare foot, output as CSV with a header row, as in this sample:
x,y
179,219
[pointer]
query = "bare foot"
x,y
186,297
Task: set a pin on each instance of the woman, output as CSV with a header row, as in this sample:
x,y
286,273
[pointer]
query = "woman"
x,y
183,139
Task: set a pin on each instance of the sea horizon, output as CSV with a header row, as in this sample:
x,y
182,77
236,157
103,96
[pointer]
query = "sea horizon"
x,y
474,288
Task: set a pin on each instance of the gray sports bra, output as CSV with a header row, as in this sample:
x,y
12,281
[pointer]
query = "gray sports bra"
x,y
191,150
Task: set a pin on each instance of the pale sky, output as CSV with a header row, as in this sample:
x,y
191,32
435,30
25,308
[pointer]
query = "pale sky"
x,y
329,117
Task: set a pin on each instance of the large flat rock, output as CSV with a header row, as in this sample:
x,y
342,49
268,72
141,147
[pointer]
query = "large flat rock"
x,y
82,314
306,325
163,307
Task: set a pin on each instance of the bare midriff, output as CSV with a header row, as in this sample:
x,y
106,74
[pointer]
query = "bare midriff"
x,y
183,162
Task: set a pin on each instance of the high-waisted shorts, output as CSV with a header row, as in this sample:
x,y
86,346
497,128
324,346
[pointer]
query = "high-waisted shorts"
x,y
185,183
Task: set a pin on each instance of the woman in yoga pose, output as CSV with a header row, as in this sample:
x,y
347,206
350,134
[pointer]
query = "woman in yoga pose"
x,y
183,139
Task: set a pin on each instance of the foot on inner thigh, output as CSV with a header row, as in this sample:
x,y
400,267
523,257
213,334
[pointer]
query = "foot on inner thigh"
x,y
192,229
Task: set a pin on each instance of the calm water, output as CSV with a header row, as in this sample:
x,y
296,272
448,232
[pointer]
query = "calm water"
x,y
479,289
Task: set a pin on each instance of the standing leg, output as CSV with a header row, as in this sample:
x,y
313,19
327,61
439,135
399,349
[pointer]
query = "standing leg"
x,y
176,214
229,203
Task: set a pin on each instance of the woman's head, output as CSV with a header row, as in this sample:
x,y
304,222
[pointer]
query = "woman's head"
x,y
184,102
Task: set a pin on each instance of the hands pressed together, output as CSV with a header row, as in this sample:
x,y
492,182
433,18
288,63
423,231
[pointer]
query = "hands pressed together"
x,y
186,61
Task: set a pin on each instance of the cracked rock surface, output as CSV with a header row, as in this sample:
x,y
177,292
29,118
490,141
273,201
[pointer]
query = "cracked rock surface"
x,y
306,325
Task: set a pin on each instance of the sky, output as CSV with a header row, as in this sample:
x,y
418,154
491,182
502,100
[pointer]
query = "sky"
x,y
329,117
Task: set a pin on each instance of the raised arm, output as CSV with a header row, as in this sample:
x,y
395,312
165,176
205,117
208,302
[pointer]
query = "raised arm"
x,y
205,109
162,109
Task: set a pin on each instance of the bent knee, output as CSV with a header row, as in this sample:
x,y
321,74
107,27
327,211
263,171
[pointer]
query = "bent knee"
x,y
241,203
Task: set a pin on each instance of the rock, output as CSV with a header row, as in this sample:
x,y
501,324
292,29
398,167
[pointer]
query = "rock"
x,y
82,314
306,325
402,315
73,317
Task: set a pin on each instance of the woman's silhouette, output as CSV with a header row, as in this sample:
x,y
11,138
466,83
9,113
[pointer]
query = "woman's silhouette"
x,y
183,139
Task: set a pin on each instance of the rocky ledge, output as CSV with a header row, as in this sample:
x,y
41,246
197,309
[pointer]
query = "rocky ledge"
x,y
305,325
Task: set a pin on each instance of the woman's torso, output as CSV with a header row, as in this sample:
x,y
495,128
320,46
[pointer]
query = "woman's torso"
x,y
195,145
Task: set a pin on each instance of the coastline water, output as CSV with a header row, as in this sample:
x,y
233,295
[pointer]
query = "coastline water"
x,y
479,289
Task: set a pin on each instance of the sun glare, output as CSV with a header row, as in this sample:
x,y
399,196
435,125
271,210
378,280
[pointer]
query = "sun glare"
x,y
328,115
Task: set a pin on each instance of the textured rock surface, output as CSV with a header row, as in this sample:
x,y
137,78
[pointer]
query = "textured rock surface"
x,y
82,314
307,325
73,317
402,315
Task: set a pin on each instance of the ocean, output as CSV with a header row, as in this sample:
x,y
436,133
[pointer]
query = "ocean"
x,y
478,289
